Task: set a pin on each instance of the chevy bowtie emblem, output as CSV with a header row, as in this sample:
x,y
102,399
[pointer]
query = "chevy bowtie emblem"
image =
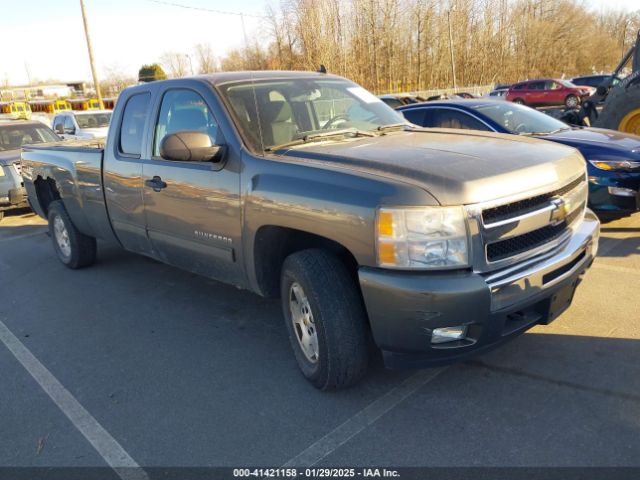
x,y
559,211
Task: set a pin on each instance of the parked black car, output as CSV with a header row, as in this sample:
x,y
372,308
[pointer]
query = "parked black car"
x,y
593,80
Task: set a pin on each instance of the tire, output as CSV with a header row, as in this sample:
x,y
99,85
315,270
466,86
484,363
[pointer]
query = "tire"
x,y
74,249
519,101
1,215
621,110
317,286
571,101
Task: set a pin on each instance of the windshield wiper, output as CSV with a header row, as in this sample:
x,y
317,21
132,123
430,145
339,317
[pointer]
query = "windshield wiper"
x,y
391,127
545,133
321,136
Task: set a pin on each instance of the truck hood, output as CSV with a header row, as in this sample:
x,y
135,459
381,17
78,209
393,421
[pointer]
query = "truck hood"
x,y
457,167
8,157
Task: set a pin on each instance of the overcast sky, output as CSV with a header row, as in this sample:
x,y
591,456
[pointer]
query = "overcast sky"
x,y
44,39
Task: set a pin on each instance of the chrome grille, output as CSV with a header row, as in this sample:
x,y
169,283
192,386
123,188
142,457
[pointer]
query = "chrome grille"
x,y
522,229
531,240
520,207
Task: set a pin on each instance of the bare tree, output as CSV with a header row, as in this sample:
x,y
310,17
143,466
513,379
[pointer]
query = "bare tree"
x,y
403,45
207,62
176,64
115,78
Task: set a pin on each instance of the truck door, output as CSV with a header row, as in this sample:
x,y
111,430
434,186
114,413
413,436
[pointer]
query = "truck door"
x,y
122,174
192,208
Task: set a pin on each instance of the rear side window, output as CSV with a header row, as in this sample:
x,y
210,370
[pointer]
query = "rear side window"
x,y
444,118
415,116
133,120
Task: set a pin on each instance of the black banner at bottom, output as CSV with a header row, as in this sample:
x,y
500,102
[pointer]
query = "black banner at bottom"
x,y
320,473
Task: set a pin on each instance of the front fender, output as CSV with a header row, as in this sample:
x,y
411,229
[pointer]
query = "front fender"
x,y
331,203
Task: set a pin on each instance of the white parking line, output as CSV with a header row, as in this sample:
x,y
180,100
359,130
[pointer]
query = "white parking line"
x,y
361,420
107,446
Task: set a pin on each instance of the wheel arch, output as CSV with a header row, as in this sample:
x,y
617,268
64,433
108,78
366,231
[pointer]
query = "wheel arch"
x,y
273,244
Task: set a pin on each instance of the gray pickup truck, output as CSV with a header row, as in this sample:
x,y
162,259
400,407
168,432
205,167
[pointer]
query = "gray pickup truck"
x,y
434,244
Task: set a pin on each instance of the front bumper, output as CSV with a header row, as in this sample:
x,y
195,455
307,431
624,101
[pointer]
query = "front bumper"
x,y
619,192
405,307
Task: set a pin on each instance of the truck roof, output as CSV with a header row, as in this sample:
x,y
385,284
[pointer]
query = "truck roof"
x,y
222,78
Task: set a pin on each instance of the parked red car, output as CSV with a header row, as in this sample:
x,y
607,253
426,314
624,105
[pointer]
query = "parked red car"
x,y
548,92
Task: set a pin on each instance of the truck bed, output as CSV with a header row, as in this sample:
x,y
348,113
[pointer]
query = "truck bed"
x,y
76,168
91,144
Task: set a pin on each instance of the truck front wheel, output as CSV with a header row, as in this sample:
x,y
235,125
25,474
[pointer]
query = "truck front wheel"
x,y
74,249
325,319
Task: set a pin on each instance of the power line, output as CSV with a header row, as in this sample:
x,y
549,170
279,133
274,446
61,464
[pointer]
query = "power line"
x,y
222,12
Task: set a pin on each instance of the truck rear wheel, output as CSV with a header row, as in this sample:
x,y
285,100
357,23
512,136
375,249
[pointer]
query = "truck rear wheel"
x,y
74,249
622,110
325,319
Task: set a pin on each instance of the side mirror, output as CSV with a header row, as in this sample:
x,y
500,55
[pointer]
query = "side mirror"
x,y
190,146
59,128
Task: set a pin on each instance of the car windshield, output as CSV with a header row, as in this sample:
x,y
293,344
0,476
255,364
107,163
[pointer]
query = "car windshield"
x,y
93,120
270,113
520,119
13,137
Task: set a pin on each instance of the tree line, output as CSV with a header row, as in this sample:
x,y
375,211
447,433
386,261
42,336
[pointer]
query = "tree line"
x,y
413,45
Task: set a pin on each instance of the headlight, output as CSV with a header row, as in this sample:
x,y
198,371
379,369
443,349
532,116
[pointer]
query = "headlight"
x,y
1,171
615,164
422,238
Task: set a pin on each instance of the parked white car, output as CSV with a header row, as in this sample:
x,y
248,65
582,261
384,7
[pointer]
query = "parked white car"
x,y
85,124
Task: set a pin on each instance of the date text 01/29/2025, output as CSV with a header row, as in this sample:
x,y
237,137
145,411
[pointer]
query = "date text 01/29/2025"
x,y
315,473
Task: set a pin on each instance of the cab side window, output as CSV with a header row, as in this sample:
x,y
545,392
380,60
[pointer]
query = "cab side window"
x,y
184,110
58,124
69,126
133,119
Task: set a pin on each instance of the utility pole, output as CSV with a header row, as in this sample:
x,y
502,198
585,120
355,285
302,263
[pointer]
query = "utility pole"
x,y
96,84
453,62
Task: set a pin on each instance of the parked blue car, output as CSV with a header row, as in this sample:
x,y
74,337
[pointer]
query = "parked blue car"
x,y
613,158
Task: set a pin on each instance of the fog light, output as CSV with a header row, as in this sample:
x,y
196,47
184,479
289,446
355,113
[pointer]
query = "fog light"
x,y
622,192
448,334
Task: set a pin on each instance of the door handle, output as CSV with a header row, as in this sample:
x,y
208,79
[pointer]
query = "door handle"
x,y
156,184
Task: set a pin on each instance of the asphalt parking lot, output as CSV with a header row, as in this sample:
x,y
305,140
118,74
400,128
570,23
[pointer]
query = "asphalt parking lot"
x,y
179,370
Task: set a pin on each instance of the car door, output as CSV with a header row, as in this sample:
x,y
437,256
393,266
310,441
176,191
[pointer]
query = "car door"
x,y
122,174
536,94
192,209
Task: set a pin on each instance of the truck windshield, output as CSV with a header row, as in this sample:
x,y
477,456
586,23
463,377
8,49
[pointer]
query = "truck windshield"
x,y
520,119
93,120
278,112
13,137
